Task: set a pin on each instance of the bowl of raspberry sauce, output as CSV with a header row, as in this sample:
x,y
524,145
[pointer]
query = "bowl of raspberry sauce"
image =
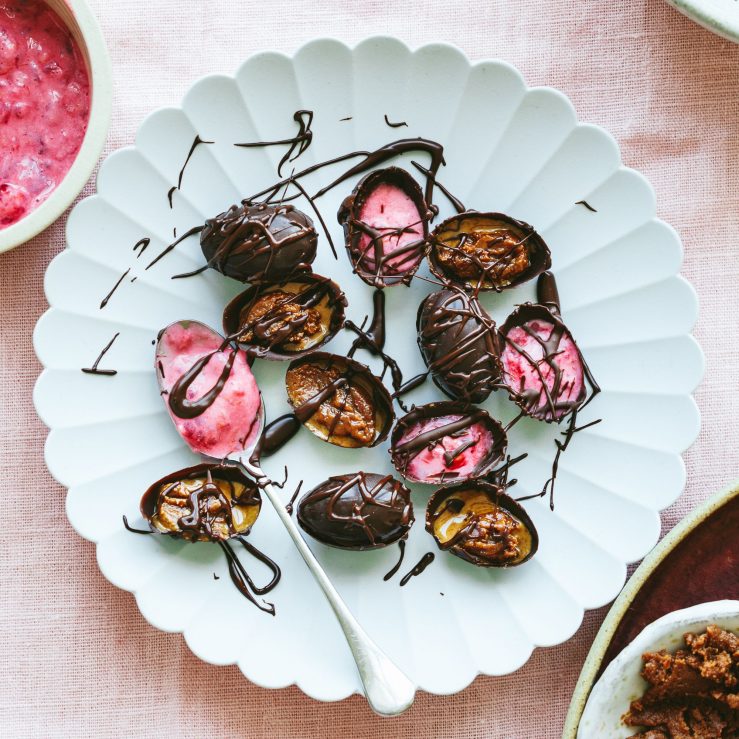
x,y
55,97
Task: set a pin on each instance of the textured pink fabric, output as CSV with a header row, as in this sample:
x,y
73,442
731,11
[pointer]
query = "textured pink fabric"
x,y
77,659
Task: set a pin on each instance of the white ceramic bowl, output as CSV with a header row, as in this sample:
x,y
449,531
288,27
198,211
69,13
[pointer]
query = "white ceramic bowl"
x,y
85,29
622,682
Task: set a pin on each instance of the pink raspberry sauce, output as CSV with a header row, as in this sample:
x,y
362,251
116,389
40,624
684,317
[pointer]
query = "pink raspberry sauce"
x,y
429,464
231,423
386,208
44,105
521,375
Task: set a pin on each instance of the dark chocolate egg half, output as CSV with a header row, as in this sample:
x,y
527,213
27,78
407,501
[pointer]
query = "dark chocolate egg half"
x,y
385,222
487,251
542,367
357,511
458,342
446,442
260,243
288,319
339,400
479,523
206,502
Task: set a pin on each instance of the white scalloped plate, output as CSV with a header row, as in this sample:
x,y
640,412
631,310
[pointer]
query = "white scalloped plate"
x,y
508,148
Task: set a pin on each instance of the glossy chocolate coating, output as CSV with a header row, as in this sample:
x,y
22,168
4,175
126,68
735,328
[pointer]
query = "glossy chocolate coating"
x,y
403,454
553,406
458,342
373,265
345,395
357,511
488,251
512,541
202,512
260,243
309,307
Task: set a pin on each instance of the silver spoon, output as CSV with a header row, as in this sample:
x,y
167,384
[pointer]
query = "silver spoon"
x,y
388,691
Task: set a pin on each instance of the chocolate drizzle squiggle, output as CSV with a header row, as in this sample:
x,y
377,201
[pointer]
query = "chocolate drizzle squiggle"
x,y
399,124
205,512
179,403
94,369
301,141
456,203
418,568
397,565
141,245
105,300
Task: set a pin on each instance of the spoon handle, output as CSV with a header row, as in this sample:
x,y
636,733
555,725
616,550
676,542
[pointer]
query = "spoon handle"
x,y
388,691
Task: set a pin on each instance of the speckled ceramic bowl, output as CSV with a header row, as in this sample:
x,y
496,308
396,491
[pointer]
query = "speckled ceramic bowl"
x,y
621,682
84,27
661,592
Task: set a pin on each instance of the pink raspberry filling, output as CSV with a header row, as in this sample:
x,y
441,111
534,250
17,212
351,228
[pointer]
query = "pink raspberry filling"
x,y
431,463
525,372
389,209
232,422
44,105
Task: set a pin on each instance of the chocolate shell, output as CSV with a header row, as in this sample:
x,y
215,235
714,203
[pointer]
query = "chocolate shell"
x,y
458,342
486,251
207,502
446,443
286,320
542,367
385,222
357,511
339,400
476,521
260,243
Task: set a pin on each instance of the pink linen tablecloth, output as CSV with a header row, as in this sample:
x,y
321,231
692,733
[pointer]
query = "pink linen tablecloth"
x,y
76,657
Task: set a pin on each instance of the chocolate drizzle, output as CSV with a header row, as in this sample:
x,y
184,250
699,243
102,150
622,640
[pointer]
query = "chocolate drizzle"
x,y
237,217
105,300
300,142
196,142
199,504
587,205
179,403
457,339
456,203
397,565
94,369
141,245
277,433
418,568
170,247
357,511
399,124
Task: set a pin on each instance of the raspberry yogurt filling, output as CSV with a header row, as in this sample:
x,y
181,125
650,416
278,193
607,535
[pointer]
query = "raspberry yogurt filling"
x,y
446,442
211,394
44,105
542,366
